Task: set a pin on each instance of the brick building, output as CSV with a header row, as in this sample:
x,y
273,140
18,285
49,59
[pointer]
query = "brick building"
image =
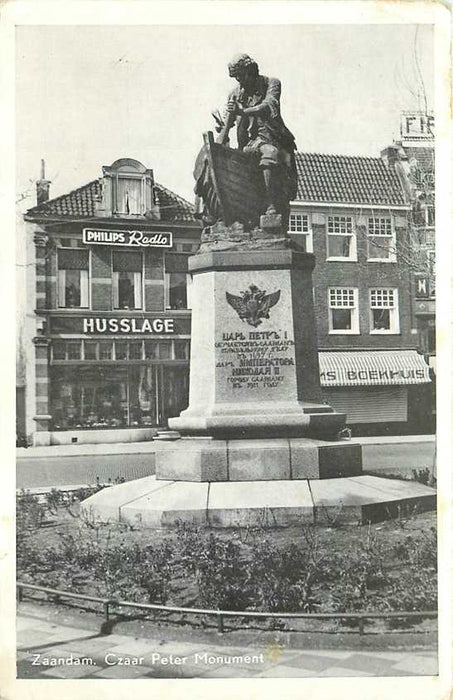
x,y
353,214
108,327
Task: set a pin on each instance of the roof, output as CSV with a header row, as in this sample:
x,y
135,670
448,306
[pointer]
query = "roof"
x,y
347,180
423,155
81,203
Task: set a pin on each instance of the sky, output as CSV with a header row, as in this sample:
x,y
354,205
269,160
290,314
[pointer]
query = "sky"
x,y
88,95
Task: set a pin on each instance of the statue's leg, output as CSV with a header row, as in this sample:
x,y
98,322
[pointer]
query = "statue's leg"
x,y
269,164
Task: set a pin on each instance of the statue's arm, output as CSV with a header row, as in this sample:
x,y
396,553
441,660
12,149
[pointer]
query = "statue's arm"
x,y
271,102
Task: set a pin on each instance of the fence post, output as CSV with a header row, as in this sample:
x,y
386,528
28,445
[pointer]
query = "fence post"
x,y
220,623
106,611
20,594
361,625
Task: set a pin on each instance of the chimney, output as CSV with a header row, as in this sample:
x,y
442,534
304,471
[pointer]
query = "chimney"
x,y
393,154
42,186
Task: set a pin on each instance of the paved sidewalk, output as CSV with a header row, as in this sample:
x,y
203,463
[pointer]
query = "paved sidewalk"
x,y
49,650
149,446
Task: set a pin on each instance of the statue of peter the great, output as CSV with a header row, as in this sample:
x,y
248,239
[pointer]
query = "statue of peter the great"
x,y
254,105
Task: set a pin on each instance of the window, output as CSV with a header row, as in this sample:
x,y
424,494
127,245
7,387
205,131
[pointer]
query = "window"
x,y
135,350
151,350
106,350
74,350
384,311
431,255
182,349
127,280
90,349
381,239
58,350
72,278
176,289
129,197
121,349
341,243
299,224
343,310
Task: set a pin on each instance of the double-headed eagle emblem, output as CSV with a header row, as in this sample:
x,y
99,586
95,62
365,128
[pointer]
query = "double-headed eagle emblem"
x,y
253,304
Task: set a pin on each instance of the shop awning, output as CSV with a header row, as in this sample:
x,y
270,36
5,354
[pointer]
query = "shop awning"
x,y
372,368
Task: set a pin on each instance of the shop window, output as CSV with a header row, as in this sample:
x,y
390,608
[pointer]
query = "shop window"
x,y
176,290
94,398
182,349
74,350
343,310
136,350
384,311
90,350
121,350
127,280
72,278
341,243
299,223
151,350
106,350
381,239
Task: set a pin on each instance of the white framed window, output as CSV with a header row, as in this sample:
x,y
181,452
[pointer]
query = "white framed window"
x,y
381,239
300,224
384,312
341,239
343,310
127,277
178,287
73,278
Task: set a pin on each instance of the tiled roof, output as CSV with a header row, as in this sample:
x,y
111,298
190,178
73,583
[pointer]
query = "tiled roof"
x,y
423,156
81,203
346,179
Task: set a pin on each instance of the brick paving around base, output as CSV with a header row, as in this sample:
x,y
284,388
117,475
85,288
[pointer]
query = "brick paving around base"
x,y
48,650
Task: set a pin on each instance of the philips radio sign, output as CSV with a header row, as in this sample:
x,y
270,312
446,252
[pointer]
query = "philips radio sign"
x,y
130,239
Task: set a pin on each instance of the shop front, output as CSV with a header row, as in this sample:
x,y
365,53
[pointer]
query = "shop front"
x,y
375,387
123,386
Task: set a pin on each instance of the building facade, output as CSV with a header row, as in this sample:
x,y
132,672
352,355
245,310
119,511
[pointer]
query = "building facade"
x,y
353,214
109,308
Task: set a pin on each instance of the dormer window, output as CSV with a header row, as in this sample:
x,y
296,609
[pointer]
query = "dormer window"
x,y
128,188
128,196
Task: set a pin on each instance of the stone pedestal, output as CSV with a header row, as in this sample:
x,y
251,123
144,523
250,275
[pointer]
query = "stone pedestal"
x,y
254,362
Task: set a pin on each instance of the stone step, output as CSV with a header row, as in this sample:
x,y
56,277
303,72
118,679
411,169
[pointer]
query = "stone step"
x,y
167,435
155,503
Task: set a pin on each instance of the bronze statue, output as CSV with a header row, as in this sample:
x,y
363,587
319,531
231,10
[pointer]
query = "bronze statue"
x,y
259,177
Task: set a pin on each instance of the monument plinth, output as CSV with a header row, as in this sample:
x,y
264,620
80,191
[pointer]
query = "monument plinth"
x,y
254,359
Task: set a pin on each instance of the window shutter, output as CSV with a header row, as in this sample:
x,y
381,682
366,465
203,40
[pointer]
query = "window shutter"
x,y
75,259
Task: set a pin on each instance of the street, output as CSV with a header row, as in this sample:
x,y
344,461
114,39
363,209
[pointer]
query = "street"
x,y
78,465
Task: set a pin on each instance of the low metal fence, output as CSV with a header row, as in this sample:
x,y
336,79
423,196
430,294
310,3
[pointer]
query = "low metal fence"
x,y
220,615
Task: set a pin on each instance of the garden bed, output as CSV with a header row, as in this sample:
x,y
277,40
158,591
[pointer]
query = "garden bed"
x,y
383,567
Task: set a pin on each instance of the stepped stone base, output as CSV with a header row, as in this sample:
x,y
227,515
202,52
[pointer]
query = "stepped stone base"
x,y
156,503
204,459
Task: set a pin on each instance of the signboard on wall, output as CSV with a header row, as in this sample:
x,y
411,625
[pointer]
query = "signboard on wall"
x,y
130,239
417,126
117,325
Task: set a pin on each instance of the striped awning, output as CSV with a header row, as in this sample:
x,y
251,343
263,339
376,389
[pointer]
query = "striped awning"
x,y
372,368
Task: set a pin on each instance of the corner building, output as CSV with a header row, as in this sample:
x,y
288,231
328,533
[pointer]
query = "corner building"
x,y
353,214
108,323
